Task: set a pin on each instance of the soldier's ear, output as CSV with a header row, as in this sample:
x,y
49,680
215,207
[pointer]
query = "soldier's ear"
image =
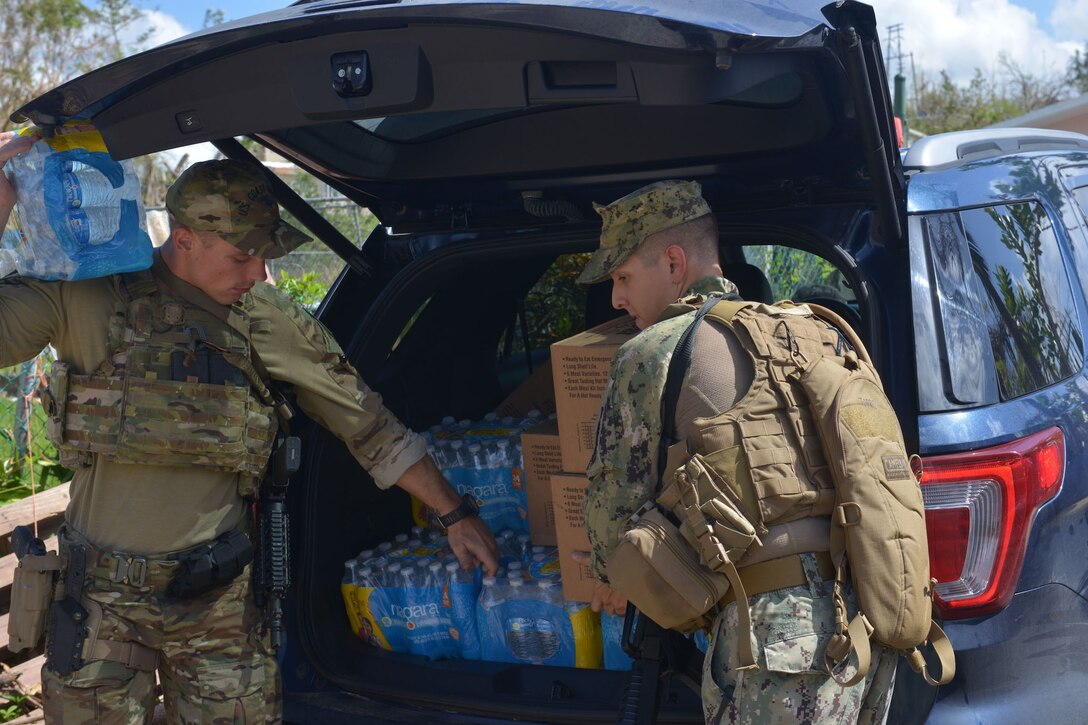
x,y
184,239
677,260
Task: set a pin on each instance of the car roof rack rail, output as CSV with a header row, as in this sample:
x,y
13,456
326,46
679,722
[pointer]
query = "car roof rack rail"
x,y
949,149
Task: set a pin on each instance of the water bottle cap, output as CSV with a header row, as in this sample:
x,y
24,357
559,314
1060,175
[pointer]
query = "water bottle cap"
x,y
507,533
540,557
464,423
400,538
489,581
351,563
534,413
516,583
491,416
502,443
456,444
414,543
366,554
435,566
474,447
448,420
453,566
393,568
523,537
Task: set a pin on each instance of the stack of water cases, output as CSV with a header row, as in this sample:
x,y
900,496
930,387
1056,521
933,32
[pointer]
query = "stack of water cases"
x,y
411,595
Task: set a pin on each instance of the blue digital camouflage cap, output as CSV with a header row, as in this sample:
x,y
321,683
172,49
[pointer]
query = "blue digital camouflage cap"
x,y
627,222
234,200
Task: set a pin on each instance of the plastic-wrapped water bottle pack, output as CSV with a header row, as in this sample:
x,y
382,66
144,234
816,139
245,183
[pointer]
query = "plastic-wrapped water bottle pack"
x,y
79,213
411,595
483,459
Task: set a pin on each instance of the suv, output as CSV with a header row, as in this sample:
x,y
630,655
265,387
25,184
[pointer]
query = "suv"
x,y
479,133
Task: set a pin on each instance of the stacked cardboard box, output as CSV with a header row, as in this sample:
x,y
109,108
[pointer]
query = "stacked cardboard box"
x,y
580,368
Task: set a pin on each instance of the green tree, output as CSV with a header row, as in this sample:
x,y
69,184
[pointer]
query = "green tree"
x,y
942,105
1076,73
44,43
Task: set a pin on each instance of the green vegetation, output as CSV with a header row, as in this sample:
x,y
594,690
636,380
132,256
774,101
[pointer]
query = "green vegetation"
x,y
306,289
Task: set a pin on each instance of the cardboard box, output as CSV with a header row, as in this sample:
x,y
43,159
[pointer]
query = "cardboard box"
x,y
580,370
540,451
568,492
536,392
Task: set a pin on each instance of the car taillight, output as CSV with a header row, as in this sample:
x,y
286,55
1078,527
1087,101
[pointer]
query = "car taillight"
x,y
979,509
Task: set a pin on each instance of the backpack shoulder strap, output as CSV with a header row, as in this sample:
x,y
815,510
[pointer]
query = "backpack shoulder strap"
x,y
678,366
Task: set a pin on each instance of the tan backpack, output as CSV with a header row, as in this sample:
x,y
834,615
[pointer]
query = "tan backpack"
x,y
878,523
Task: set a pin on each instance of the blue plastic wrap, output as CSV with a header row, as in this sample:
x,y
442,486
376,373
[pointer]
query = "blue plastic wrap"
x,y
80,212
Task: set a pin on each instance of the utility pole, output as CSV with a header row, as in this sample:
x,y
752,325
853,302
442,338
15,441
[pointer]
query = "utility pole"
x,y
899,89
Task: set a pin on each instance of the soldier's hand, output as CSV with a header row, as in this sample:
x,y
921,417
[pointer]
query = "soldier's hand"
x,y
605,598
11,145
472,542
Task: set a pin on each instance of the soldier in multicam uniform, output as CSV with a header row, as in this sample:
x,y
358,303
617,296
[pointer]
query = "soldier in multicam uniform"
x,y
660,244
131,514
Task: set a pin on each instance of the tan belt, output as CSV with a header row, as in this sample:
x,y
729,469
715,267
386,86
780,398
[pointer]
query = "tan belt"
x,y
787,571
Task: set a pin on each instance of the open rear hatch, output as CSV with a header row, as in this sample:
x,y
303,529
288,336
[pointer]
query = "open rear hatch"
x,y
447,117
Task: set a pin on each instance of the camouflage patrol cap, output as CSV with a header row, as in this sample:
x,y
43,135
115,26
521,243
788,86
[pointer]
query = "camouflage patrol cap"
x,y
626,222
234,200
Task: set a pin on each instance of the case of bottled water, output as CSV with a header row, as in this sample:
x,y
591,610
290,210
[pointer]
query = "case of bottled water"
x,y
411,595
483,459
80,213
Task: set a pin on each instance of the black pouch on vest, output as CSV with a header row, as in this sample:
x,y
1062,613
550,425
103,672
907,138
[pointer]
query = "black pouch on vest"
x,y
209,567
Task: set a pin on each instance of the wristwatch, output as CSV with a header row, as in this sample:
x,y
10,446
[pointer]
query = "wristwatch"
x,y
466,508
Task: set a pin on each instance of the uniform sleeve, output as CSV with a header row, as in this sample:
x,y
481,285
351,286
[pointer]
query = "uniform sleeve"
x,y
30,314
622,470
299,350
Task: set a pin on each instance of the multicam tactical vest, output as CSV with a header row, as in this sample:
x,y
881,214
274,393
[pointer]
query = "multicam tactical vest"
x,y
179,388
766,448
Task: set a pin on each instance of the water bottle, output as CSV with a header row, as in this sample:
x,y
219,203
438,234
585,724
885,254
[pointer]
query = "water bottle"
x,y
488,623
514,570
547,626
475,457
504,454
347,592
520,627
410,598
524,548
455,454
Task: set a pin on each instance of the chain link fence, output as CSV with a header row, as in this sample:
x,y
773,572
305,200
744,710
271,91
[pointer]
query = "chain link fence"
x,y
27,459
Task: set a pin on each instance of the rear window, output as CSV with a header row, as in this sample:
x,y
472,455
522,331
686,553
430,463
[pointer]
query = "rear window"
x,y
994,312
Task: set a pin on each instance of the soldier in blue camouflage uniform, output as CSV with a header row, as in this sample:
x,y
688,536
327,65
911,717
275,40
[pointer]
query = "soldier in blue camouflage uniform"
x,y
134,517
659,244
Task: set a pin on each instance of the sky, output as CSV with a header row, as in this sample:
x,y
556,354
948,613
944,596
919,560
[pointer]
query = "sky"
x,y
957,36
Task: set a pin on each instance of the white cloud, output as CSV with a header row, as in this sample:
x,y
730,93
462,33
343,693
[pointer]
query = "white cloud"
x,y
960,35
1070,20
157,27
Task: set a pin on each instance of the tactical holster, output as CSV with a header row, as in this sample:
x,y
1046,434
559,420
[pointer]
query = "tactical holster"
x,y
67,618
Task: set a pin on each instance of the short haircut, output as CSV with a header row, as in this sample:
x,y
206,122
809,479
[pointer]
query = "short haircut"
x,y
175,224
698,238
